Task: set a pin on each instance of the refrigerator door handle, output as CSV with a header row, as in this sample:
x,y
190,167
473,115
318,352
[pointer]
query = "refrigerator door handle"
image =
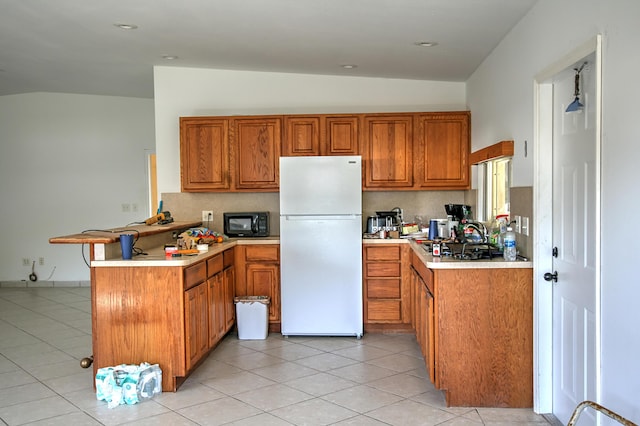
x,y
321,217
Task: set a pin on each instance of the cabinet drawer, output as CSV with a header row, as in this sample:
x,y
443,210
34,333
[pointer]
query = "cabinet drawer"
x,y
384,310
383,269
260,253
383,288
195,274
214,265
382,252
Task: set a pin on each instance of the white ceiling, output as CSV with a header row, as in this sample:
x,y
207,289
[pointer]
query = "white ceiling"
x,y
73,46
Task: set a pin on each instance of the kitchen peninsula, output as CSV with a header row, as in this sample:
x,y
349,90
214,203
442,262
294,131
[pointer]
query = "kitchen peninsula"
x,y
472,319
474,324
152,308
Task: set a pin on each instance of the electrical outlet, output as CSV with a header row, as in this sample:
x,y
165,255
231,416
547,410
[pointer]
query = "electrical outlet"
x,y
518,224
126,208
134,207
41,261
525,225
26,261
207,215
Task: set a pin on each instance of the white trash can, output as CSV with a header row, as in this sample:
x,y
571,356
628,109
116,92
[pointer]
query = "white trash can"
x,y
252,316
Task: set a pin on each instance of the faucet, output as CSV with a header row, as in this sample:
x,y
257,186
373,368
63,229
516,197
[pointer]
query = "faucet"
x,y
481,228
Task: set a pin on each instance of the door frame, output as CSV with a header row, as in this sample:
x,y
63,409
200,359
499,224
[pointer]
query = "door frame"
x,y
543,230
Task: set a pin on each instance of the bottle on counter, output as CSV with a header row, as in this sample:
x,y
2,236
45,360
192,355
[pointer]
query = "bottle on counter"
x,y
497,230
509,251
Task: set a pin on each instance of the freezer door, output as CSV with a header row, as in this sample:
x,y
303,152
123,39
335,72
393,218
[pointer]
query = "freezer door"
x,y
321,275
321,185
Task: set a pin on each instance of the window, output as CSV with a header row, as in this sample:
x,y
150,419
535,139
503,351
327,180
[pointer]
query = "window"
x,y
494,181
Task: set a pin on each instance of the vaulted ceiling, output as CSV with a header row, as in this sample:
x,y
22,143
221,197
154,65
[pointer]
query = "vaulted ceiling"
x,y
75,46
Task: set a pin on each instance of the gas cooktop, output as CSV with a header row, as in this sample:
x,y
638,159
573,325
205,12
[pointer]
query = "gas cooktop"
x,y
467,251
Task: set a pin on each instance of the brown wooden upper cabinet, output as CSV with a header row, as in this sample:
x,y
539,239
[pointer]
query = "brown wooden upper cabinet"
x,y
320,135
301,136
256,152
387,152
204,154
400,151
441,150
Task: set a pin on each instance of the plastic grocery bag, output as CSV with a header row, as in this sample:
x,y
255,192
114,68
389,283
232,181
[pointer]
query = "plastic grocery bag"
x,y
128,383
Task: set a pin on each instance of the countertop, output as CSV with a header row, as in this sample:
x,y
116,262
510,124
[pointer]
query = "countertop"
x,y
447,262
157,257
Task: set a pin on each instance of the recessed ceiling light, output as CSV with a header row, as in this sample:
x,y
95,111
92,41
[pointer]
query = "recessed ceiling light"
x,y
169,57
126,26
425,43
349,66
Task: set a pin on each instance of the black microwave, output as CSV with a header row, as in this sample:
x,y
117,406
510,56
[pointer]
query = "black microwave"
x,y
247,224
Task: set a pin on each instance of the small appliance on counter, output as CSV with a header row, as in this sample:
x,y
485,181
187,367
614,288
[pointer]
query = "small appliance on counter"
x,y
387,222
460,212
246,224
461,224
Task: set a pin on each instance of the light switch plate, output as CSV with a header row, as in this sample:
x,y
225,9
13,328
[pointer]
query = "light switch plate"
x,y
525,225
518,224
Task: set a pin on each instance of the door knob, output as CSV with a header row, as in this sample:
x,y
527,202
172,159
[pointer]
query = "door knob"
x,y
551,277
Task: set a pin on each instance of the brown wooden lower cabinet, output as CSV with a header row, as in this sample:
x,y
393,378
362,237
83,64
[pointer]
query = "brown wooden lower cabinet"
x,y
169,315
386,288
196,317
258,274
475,329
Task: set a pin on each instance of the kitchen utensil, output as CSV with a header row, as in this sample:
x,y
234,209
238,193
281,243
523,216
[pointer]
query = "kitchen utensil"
x,y
433,229
126,245
443,228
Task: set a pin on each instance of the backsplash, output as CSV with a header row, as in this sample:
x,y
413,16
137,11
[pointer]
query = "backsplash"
x,y
427,204
522,205
189,206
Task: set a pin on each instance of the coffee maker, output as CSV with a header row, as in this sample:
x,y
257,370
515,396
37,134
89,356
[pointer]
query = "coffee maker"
x,y
458,214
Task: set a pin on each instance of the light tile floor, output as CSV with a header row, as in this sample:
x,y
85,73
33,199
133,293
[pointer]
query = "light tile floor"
x,y
378,380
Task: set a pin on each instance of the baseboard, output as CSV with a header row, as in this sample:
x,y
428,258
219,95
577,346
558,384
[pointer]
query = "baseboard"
x,y
43,284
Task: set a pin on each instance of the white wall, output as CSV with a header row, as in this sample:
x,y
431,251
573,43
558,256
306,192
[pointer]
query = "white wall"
x,y
500,96
196,92
68,163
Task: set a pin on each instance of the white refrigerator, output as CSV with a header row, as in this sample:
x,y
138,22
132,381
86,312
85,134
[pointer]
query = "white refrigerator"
x,y
321,246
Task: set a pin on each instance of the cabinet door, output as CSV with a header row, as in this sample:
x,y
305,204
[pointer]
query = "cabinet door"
x,y
387,149
301,136
340,135
204,154
428,336
442,151
196,323
216,309
263,279
256,148
228,280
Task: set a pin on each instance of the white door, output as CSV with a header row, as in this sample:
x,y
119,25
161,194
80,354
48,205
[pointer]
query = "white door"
x,y
574,238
